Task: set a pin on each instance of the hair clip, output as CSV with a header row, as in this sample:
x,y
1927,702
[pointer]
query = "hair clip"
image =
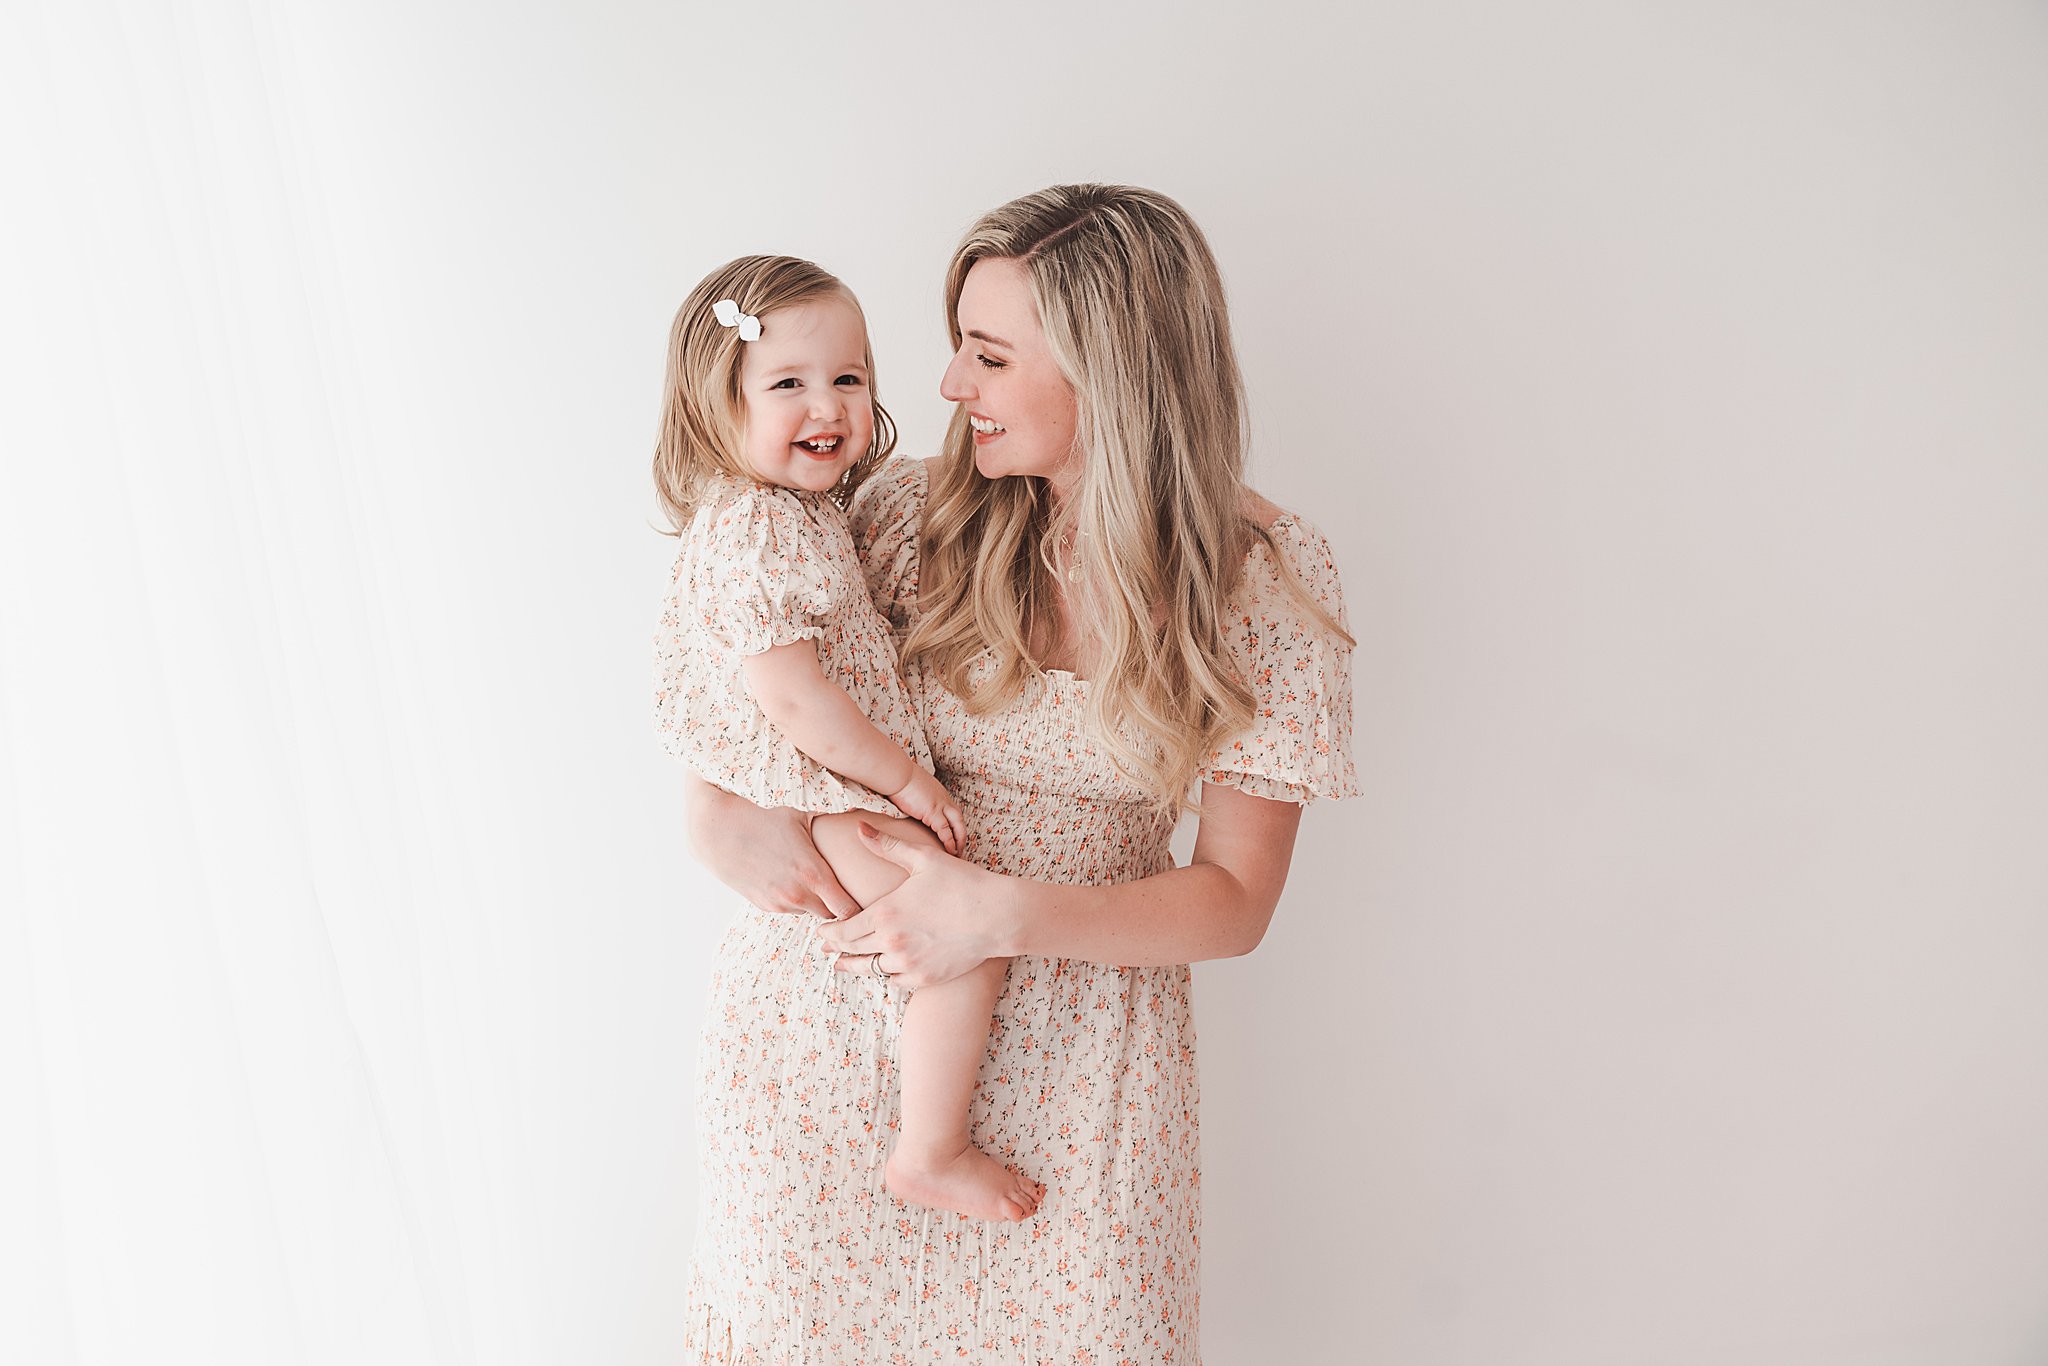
x,y
728,314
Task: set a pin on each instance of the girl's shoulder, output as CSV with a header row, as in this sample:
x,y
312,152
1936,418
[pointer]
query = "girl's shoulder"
x,y
746,512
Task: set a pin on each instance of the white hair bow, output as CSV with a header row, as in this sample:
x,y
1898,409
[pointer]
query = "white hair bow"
x,y
728,314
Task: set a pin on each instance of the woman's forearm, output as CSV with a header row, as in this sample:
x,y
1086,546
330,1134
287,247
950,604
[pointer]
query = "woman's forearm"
x,y
1183,915
766,855
948,915
1218,906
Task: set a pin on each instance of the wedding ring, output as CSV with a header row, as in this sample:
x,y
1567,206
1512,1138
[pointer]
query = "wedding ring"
x,y
875,966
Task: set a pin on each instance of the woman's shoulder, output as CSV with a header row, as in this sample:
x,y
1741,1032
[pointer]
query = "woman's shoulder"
x,y
892,496
886,514
1288,630
1259,510
1286,544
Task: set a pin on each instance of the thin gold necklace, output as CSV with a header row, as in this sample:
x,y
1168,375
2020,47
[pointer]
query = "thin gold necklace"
x,y
1073,558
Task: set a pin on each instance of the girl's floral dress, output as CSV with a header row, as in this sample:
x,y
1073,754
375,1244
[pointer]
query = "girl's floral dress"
x,y
1088,1084
762,566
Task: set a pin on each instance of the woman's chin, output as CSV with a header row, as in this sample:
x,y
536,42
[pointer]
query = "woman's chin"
x,y
992,462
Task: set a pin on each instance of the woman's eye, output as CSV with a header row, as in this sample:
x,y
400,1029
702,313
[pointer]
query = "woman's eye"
x,y
987,363
789,383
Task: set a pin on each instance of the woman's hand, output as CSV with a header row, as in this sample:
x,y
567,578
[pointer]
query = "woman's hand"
x,y
945,917
764,855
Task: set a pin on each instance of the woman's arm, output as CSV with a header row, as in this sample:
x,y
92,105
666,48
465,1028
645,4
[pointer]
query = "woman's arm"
x,y
948,915
764,855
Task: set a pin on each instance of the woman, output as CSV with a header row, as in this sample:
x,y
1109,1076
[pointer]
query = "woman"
x,y
1095,614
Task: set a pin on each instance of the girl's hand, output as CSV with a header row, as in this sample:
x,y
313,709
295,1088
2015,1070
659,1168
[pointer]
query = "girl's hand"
x,y
946,918
765,856
924,799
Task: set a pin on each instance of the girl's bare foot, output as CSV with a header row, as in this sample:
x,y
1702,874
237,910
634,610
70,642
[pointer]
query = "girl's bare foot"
x,y
968,1182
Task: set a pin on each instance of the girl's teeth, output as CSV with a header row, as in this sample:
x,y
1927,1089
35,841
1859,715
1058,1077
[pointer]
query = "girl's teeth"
x,y
822,445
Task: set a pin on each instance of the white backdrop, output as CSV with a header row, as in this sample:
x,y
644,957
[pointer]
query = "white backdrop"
x,y
1669,379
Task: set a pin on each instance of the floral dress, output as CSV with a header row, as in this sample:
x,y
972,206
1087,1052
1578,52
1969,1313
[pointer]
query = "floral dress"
x,y
1088,1083
762,566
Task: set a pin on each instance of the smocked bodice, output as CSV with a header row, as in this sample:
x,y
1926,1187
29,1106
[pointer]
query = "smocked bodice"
x,y
1043,798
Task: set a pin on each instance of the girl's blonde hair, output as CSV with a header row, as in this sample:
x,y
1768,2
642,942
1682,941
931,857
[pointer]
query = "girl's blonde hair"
x,y
1132,308
703,414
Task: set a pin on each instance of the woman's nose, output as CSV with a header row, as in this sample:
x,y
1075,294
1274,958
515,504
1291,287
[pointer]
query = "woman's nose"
x,y
957,384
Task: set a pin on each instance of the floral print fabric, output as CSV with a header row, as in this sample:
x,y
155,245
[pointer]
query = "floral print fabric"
x,y
1088,1083
762,566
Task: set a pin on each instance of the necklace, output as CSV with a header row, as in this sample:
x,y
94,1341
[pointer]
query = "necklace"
x,y
1073,559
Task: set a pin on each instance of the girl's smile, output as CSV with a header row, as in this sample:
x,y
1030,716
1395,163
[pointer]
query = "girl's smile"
x,y
809,412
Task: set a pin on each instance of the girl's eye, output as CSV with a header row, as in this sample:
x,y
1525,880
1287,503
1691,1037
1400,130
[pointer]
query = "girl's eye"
x,y
987,363
788,383
848,379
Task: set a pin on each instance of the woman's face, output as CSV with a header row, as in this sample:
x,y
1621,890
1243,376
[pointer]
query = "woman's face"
x,y
1021,407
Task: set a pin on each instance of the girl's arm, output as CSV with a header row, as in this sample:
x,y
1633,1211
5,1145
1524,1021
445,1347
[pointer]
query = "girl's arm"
x,y
948,915
817,716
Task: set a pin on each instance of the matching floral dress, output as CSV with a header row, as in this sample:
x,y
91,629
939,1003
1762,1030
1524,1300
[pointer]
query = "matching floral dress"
x,y
762,566
1088,1083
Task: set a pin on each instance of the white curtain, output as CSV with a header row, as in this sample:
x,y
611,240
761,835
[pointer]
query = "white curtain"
x,y
342,894
236,1047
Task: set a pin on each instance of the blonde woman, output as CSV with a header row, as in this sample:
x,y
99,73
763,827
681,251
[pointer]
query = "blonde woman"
x,y
1098,620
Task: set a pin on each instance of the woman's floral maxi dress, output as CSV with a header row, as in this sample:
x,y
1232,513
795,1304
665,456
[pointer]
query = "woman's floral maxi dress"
x,y
1089,1080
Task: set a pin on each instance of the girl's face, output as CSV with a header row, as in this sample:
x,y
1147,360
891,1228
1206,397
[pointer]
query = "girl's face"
x,y
1021,407
809,411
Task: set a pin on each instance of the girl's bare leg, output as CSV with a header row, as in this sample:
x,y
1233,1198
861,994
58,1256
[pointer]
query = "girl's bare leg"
x,y
945,1036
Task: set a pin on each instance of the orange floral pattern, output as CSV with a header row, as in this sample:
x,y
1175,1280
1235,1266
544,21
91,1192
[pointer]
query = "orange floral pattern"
x,y
761,566
1088,1083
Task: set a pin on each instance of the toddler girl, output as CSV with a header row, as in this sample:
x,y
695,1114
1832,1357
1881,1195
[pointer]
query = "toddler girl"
x,y
776,676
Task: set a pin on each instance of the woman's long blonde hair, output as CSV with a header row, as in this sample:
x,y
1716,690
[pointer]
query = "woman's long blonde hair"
x,y
703,414
1132,308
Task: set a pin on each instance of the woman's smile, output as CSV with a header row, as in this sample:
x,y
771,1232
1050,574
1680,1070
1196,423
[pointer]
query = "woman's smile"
x,y
1001,361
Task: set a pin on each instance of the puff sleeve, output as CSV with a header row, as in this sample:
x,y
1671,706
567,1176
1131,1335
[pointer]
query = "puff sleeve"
x,y
761,584
1298,746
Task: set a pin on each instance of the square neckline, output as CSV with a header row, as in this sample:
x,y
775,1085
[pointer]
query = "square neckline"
x,y
1071,677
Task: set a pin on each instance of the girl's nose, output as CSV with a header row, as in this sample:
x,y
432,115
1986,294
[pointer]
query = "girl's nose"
x,y
957,384
827,402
